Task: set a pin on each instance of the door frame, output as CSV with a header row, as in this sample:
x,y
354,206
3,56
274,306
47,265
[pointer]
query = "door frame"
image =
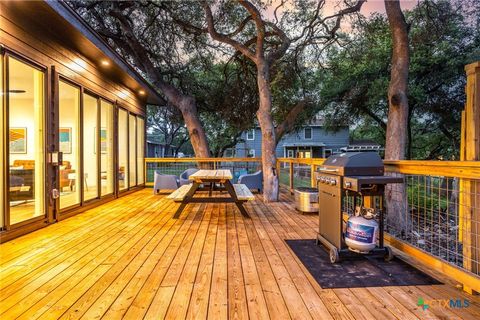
x,y
47,216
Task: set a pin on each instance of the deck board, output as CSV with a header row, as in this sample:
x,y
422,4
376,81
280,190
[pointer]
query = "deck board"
x,y
129,259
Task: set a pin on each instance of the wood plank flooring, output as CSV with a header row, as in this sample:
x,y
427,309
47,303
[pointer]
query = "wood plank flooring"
x,y
129,259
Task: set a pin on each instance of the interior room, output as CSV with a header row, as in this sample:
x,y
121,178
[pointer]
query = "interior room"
x,y
25,121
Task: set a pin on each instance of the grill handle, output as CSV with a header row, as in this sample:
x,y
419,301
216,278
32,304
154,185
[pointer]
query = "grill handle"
x,y
327,170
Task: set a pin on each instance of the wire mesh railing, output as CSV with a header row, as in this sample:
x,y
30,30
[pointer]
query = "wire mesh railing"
x,y
295,173
176,166
438,214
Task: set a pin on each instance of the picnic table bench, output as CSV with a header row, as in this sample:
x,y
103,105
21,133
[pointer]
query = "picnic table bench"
x,y
238,193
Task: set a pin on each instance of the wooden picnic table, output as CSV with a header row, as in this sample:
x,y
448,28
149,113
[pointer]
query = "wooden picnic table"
x,y
238,193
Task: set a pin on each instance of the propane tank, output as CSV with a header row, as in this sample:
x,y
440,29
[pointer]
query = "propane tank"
x,y
362,233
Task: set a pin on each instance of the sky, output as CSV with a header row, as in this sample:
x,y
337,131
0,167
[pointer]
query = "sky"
x,y
379,6
331,6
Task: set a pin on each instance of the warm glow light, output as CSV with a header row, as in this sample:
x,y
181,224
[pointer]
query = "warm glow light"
x,y
141,92
78,65
123,94
105,63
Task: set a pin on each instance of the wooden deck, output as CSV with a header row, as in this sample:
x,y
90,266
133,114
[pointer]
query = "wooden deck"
x,y
129,259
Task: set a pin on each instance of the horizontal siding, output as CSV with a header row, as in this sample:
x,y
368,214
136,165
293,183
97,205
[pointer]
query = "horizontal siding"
x,y
332,140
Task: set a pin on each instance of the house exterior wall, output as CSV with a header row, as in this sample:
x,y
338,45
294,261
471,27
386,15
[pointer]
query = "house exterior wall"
x,y
34,34
331,140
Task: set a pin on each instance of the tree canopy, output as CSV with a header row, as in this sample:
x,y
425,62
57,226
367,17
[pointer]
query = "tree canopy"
x,y
443,39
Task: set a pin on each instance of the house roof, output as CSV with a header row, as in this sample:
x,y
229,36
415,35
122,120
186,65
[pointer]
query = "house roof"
x,y
74,33
304,144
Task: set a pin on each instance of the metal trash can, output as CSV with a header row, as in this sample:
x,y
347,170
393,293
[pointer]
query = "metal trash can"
x,y
306,199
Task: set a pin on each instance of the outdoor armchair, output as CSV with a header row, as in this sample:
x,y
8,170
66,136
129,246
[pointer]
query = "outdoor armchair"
x,y
252,181
185,174
164,182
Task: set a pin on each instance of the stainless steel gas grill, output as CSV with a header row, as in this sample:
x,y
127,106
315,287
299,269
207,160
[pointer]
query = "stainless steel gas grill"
x,y
351,213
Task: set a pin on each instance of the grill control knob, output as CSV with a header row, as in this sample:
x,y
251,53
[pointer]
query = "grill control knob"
x,y
333,182
348,184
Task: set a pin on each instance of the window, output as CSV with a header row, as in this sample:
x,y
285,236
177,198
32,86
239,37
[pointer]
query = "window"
x,y
290,154
327,153
122,149
69,144
229,153
25,109
307,133
251,134
251,153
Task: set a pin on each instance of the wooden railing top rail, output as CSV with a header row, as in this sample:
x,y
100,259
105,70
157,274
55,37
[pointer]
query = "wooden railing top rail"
x,y
203,159
459,169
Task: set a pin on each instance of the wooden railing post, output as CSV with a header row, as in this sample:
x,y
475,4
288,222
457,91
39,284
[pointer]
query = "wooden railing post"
x,y
313,180
290,164
469,213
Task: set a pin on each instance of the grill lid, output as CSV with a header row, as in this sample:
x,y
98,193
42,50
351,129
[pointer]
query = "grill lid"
x,y
354,163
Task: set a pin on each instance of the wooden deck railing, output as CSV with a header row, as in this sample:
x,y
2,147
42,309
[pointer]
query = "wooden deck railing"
x,y
442,203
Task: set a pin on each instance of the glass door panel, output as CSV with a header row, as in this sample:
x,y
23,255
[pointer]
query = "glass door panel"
x,y
2,137
140,150
68,136
106,147
122,149
132,150
90,159
26,141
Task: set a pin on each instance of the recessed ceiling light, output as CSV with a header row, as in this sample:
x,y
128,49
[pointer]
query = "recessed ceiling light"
x,y
105,63
141,92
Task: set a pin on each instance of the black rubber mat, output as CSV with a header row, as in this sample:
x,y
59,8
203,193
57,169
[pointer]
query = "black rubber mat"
x,y
358,271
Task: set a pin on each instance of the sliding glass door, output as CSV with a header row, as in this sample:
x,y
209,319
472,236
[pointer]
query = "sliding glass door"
x,y
69,144
123,171
106,148
90,159
140,150
132,138
25,125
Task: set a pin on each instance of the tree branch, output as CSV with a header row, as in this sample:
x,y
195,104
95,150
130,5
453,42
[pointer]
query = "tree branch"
x,y
222,37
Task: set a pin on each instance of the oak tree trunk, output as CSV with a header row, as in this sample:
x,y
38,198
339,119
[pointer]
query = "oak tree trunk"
x,y
269,143
188,107
396,135
198,138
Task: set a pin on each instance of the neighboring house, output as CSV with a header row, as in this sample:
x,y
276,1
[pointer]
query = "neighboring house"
x,y
157,150
311,141
72,118
156,147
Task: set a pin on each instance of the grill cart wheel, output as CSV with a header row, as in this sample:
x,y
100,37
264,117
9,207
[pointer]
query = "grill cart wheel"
x,y
388,254
334,257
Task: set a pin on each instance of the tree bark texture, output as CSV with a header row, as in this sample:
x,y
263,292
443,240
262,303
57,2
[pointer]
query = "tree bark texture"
x,y
269,141
396,135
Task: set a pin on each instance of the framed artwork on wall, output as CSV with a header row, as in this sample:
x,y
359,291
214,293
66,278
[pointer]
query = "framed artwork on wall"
x,y
65,140
18,140
103,141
